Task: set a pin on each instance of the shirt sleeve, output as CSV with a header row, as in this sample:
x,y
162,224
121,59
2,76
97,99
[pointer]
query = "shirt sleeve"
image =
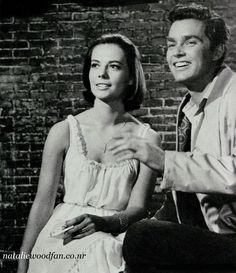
x,y
197,172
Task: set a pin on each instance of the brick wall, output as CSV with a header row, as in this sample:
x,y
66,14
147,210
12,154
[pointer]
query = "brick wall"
x,y
40,83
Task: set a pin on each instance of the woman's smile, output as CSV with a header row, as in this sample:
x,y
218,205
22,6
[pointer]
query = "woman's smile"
x,y
103,86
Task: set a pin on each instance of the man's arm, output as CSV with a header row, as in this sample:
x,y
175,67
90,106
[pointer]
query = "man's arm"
x,y
195,171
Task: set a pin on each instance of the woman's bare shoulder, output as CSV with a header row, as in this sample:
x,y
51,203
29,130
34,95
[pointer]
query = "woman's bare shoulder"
x,y
151,134
59,136
84,117
132,119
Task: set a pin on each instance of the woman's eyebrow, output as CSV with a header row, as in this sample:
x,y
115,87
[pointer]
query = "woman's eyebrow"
x,y
111,61
170,39
115,61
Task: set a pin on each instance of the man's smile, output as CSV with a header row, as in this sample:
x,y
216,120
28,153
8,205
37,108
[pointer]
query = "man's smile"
x,y
181,64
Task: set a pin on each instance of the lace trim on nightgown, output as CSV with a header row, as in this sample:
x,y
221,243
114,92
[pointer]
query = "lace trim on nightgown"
x,y
81,143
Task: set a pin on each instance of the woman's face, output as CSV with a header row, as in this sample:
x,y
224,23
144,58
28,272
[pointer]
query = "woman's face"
x,y
109,74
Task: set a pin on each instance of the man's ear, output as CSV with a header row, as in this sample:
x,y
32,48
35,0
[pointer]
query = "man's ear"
x,y
218,52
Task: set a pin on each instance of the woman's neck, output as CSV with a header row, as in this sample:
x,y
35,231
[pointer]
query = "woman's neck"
x,y
107,114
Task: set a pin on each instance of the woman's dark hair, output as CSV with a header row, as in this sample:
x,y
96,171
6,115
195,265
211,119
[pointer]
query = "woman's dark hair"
x,y
215,27
135,93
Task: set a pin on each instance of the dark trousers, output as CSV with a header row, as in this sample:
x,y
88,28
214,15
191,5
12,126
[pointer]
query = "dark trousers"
x,y
152,246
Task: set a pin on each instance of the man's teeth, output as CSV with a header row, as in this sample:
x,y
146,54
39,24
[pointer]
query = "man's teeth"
x,y
101,85
181,64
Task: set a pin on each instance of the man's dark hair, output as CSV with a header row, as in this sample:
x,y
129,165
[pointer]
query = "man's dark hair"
x,y
215,27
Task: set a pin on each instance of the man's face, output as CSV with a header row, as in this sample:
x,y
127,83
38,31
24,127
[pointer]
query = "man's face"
x,y
188,55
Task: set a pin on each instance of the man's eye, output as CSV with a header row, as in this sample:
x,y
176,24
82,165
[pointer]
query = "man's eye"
x,y
191,42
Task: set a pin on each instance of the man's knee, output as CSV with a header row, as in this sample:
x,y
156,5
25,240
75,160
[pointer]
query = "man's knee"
x,y
143,237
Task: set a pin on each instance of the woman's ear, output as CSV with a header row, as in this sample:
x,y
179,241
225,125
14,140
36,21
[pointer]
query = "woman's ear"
x,y
218,52
131,82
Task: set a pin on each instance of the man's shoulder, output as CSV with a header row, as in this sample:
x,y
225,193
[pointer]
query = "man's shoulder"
x,y
231,83
228,97
227,75
226,82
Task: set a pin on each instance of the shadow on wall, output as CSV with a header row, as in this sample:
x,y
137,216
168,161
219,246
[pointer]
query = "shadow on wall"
x,y
29,8
23,8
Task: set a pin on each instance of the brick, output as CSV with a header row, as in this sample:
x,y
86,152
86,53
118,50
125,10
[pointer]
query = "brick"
x,y
41,26
7,36
26,171
13,44
7,181
44,43
169,137
27,52
13,79
140,112
5,54
22,180
28,35
26,189
14,61
14,27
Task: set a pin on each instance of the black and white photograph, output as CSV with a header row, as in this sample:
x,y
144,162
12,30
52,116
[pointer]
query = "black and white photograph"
x,y
117,136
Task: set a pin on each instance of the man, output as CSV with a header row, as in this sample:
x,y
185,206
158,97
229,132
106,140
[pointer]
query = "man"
x,y
202,172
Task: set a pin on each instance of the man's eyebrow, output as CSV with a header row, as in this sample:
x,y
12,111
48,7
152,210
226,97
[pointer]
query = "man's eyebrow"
x,y
185,38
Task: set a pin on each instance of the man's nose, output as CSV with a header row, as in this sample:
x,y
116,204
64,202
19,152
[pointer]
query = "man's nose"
x,y
179,51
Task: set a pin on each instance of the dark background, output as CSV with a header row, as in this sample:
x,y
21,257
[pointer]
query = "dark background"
x,y
42,44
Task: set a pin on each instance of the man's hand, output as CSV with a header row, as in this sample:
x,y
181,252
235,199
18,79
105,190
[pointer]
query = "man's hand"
x,y
128,146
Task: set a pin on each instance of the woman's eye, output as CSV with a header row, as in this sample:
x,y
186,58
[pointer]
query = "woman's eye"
x,y
115,66
94,65
169,45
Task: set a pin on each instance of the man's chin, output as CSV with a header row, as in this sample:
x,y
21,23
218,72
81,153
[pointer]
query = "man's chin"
x,y
182,80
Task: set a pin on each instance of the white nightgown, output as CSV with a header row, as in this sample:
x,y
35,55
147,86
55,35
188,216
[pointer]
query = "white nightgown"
x,y
93,188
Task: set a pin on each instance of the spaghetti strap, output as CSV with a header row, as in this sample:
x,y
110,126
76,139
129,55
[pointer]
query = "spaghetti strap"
x,y
81,137
77,135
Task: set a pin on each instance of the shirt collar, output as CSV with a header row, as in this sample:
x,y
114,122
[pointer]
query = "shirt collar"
x,y
192,108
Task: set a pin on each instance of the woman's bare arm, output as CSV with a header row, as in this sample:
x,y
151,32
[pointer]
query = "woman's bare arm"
x,y
42,208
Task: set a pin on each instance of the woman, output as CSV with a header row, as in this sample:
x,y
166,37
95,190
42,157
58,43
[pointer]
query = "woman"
x,y
102,196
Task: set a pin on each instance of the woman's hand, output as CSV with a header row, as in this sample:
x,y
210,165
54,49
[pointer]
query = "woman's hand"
x,y
84,225
128,146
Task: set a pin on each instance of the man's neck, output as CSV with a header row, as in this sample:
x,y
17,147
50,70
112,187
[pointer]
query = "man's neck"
x,y
198,89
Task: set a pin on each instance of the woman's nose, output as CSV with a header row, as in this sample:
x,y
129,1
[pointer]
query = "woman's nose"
x,y
103,73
